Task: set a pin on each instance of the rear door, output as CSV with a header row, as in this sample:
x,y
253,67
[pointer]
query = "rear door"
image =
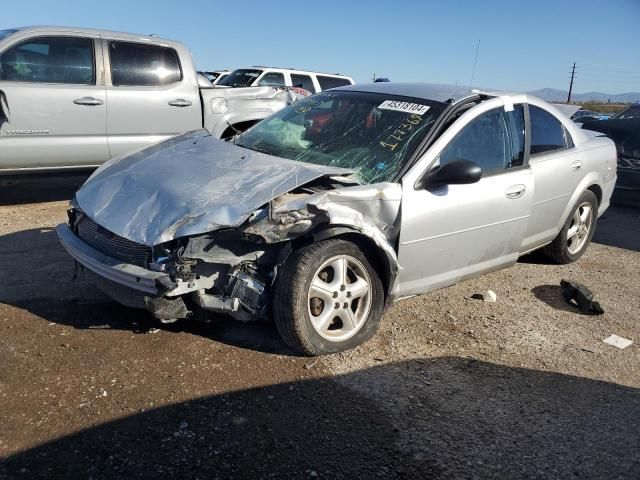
x,y
54,97
152,95
452,232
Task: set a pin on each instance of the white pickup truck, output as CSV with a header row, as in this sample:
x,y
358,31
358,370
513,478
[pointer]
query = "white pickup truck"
x,y
73,98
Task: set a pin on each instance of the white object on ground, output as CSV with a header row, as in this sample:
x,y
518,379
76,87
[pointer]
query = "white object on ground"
x,y
617,341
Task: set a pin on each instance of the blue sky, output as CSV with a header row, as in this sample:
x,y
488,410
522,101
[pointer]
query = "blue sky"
x,y
523,45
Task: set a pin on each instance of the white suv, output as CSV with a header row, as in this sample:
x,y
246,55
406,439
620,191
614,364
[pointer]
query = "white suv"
x,y
284,77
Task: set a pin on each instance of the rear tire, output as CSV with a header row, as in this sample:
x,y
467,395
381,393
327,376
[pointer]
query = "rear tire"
x,y
576,234
327,299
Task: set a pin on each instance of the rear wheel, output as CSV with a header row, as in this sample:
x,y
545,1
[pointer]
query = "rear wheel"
x,y
576,234
328,298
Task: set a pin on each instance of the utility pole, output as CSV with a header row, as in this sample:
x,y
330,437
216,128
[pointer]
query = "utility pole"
x,y
573,72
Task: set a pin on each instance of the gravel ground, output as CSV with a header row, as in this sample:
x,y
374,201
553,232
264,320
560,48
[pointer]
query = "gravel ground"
x,y
451,387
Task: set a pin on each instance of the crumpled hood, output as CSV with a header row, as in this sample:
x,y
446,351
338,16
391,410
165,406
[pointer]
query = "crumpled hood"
x,y
188,185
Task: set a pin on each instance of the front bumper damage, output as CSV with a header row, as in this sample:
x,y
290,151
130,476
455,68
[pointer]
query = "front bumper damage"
x,y
157,292
232,270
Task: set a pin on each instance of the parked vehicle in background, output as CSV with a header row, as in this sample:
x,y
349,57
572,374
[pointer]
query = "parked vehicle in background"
x,y
582,116
336,206
313,82
632,111
624,130
73,98
216,76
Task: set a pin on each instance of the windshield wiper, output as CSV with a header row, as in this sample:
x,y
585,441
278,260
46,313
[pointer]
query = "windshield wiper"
x,y
255,149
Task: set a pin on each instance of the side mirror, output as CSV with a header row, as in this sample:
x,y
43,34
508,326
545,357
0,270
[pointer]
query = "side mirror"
x,y
458,172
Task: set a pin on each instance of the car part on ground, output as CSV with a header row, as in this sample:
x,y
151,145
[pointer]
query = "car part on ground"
x,y
263,226
577,294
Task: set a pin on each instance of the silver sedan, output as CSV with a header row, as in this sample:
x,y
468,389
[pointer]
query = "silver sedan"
x,y
328,211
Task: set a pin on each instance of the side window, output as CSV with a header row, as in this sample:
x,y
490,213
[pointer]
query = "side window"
x,y
272,79
485,141
137,64
50,60
331,82
304,81
547,133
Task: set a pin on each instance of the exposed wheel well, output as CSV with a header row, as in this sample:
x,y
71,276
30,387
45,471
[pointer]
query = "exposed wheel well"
x,y
597,191
376,256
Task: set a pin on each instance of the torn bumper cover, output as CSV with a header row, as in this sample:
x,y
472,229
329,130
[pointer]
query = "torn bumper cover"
x,y
115,278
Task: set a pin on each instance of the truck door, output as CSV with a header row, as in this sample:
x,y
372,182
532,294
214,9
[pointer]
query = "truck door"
x,y
53,102
152,93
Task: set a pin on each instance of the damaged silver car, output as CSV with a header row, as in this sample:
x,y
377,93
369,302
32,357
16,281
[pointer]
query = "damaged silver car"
x,y
331,209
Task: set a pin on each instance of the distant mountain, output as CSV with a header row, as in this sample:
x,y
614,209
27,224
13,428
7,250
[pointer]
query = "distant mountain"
x,y
554,95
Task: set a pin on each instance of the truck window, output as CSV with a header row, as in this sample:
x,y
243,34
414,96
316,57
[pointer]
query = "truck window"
x,y
272,79
50,60
304,81
331,82
137,64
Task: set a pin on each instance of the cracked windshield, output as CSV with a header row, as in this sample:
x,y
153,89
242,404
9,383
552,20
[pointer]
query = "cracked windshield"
x,y
371,133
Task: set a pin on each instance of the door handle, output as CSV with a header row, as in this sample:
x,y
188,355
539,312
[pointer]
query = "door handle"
x,y
515,191
577,165
180,102
90,101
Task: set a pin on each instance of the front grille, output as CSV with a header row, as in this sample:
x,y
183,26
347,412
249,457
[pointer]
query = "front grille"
x,y
113,245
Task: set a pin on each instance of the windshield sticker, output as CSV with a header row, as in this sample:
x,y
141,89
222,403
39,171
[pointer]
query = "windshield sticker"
x,y
405,107
399,135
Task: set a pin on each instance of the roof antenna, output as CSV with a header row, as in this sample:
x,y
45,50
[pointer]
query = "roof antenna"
x,y
475,61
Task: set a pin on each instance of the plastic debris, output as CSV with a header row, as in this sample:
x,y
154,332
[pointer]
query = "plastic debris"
x,y
488,296
617,341
578,295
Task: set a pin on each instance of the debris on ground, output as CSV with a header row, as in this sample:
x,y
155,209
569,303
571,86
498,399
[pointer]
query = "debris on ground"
x,y
578,295
616,341
488,296
153,330
309,366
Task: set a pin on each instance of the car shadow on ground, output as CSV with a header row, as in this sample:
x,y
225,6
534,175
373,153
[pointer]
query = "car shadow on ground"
x,y
430,418
18,190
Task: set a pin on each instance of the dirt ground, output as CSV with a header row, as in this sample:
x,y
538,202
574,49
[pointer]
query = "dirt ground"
x,y
451,387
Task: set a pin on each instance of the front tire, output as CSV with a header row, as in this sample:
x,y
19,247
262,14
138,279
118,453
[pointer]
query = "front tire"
x,y
576,234
328,298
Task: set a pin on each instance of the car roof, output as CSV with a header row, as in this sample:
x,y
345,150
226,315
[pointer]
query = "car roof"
x,y
429,91
107,33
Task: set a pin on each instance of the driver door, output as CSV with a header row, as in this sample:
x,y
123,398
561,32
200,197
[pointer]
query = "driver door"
x,y
452,232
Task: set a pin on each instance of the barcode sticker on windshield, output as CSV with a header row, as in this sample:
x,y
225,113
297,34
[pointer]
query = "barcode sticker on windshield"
x,y
405,107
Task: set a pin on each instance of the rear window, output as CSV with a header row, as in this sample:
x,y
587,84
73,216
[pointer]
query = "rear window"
x,y
138,64
547,133
331,82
